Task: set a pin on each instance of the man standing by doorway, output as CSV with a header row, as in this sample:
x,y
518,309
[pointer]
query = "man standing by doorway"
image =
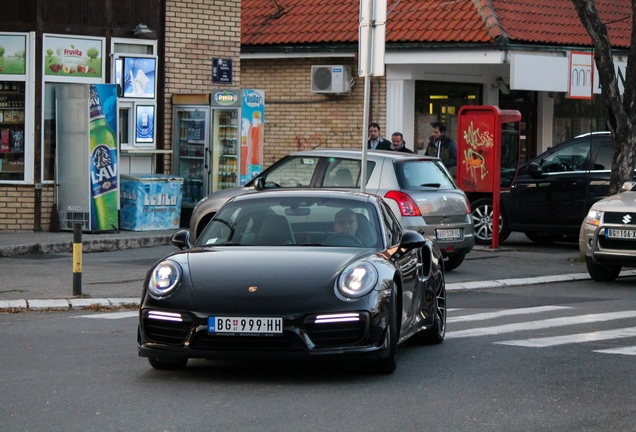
x,y
442,146
376,142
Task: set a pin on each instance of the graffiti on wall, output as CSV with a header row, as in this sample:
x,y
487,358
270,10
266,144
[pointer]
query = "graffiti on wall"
x,y
479,143
334,139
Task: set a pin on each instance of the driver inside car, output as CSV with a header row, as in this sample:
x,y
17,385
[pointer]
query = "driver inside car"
x,y
346,222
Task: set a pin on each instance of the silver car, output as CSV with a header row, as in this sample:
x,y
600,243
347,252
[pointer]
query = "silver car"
x,y
419,189
608,234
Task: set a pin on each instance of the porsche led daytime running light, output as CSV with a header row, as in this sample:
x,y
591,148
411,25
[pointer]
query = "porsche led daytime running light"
x,y
345,317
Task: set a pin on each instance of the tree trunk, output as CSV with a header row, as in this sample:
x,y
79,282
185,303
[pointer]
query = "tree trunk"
x,y
620,109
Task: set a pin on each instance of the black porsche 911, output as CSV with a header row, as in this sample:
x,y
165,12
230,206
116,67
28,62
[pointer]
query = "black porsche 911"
x,y
295,273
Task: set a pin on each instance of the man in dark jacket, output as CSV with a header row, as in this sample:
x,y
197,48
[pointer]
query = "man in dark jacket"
x,y
376,142
442,146
398,144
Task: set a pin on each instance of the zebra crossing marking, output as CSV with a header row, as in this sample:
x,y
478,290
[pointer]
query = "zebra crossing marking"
x,y
538,325
507,312
573,338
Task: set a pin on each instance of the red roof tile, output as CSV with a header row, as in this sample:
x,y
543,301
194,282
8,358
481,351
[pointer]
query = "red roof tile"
x,y
552,22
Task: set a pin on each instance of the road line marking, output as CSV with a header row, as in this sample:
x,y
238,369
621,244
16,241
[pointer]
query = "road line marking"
x,y
490,315
624,351
573,338
536,325
112,315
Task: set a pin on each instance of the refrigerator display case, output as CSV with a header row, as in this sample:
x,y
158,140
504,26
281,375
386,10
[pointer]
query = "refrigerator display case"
x,y
191,130
226,136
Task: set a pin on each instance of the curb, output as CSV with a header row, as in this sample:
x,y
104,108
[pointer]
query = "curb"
x,y
97,245
62,304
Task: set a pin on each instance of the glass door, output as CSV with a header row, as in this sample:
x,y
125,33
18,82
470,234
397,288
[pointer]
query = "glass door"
x,y
226,146
189,152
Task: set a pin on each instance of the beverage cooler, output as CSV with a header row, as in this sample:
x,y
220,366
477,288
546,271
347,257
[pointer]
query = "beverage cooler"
x,y
226,134
191,132
212,142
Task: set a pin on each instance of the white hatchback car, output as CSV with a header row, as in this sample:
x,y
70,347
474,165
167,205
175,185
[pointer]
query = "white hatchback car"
x,y
608,234
419,189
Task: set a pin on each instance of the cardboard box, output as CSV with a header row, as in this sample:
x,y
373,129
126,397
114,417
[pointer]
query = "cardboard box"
x,y
13,167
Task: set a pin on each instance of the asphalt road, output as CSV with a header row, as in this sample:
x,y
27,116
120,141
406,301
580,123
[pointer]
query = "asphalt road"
x,y
552,357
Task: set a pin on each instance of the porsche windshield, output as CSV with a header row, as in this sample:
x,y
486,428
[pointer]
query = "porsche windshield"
x,y
294,221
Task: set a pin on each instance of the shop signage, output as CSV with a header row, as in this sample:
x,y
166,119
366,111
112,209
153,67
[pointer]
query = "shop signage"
x,y
581,75
145,128
12,54
73,58
221,71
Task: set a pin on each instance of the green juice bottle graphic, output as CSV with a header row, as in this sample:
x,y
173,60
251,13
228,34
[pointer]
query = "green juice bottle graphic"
x,y
103,164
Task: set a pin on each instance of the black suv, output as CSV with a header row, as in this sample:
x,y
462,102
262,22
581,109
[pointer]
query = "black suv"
x,y
552,193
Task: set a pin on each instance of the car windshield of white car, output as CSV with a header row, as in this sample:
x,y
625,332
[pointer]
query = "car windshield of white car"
x,y
423,174
296,221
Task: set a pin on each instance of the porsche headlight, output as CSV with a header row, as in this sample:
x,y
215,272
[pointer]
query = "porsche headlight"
x,y
357,280
164,278
594,217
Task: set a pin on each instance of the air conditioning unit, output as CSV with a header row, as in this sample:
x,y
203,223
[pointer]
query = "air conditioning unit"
x,y
331,79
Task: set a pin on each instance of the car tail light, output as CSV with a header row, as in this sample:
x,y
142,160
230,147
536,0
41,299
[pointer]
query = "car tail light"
x,y
467,202
405,202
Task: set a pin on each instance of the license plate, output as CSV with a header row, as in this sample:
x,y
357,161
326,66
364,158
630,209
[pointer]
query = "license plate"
x,y
448,234
620,233
245,326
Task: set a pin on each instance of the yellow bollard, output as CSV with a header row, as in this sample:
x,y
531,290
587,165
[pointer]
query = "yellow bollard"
x,y
77,259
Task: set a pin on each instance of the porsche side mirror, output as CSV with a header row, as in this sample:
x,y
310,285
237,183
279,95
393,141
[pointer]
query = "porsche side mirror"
x,y
412,240
181,239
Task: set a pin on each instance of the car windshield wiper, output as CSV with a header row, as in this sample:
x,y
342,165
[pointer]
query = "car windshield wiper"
x,y
435,185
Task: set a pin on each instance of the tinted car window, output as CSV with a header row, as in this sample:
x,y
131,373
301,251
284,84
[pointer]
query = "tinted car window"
x,y
296,172
391,226
423,174
569,158
603,159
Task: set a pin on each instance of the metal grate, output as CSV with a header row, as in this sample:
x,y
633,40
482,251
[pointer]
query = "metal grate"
x,y
68,219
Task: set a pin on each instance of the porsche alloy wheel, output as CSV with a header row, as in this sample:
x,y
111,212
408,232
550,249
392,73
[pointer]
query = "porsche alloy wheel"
x,y
437,332
388,364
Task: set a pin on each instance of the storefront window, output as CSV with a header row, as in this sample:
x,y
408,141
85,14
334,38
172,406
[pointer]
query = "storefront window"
x,y
574,117
12,132
441,102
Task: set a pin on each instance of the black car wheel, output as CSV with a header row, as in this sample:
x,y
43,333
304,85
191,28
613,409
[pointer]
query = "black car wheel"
x,y
454,261
482,213
602,272
164,363
437,332
544,239
388,364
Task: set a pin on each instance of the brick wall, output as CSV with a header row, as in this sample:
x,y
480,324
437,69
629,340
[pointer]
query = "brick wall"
x,y
17,208
297,119
197,32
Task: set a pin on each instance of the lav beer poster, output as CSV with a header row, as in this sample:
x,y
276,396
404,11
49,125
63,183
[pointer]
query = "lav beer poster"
x,y
103,157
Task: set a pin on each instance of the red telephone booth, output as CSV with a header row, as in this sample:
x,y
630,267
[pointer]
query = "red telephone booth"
x,y
480,137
